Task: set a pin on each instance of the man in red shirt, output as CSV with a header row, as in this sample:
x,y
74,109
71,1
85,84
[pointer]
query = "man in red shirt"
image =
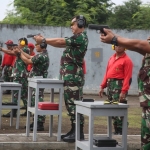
x,y
117,80
32,53
7,64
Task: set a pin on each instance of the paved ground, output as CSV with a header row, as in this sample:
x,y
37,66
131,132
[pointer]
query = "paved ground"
x,y
21,142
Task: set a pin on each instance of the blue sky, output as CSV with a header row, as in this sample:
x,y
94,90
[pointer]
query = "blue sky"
x,y
4,7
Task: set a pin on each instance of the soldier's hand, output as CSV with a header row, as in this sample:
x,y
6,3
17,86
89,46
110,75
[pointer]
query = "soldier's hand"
x,y
122,97
38,39
101,92
108,37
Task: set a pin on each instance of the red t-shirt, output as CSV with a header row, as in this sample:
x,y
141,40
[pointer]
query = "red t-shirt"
x,y
120,68
8,60
29,66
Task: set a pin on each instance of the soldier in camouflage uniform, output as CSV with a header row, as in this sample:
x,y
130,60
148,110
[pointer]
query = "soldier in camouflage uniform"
x,y
142,47
7,65
71,70
144,97
19,73
117,80
40,64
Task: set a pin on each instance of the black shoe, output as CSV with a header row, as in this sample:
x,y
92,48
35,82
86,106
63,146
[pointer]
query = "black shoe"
x,y
70,132
40,127
71,138
31,125
8,114
65,135
24,114
7,92
120,131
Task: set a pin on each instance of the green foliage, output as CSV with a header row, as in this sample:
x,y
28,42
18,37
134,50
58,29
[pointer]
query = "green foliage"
x,y
141,19
130,15
58,12
122,14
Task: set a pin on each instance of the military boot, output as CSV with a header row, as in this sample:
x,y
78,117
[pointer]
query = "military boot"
x,y
70,132
119,130
71,138
7,92
31,125
40,126
8,114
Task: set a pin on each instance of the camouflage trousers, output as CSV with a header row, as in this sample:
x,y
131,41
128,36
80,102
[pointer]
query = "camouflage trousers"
x,y
7,74
41,98
73,90
24,89
114,87
145,128
144,97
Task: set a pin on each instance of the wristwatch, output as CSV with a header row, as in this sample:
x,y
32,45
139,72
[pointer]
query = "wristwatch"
x,y
0,48
44,40
114,41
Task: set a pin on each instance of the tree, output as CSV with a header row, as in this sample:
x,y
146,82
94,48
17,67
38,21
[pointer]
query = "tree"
x,y
141,19
122,15
58,12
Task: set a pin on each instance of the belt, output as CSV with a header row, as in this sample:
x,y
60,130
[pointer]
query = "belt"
x,y
114,79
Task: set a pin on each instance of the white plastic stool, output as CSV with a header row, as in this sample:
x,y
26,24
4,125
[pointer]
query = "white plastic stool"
x,y
10,86
39,84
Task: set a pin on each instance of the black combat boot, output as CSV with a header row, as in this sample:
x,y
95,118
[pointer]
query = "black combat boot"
x,y
71,138
7,92
119,131
40,127
115,129
8,114
70,132
31,125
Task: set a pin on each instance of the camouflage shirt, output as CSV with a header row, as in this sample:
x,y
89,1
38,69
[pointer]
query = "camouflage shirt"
x,y
19,69
144,82
72,58
40,65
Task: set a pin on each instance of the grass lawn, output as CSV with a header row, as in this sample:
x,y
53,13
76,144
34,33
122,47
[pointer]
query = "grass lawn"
x,y
100,123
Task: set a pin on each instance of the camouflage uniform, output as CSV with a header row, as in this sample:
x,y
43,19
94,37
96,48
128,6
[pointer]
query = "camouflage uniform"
x,y
72,73
114,87
19,74
40,67
7,74
144,97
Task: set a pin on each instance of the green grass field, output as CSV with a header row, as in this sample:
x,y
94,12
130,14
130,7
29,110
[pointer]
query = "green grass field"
x,y
134,118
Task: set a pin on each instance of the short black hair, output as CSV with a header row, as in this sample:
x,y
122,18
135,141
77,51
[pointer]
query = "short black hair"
x,y
24,39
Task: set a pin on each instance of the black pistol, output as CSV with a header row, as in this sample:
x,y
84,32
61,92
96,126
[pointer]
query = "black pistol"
x,y
98,27
32,35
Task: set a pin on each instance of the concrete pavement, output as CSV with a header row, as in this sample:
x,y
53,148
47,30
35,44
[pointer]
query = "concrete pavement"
x,y
44,142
